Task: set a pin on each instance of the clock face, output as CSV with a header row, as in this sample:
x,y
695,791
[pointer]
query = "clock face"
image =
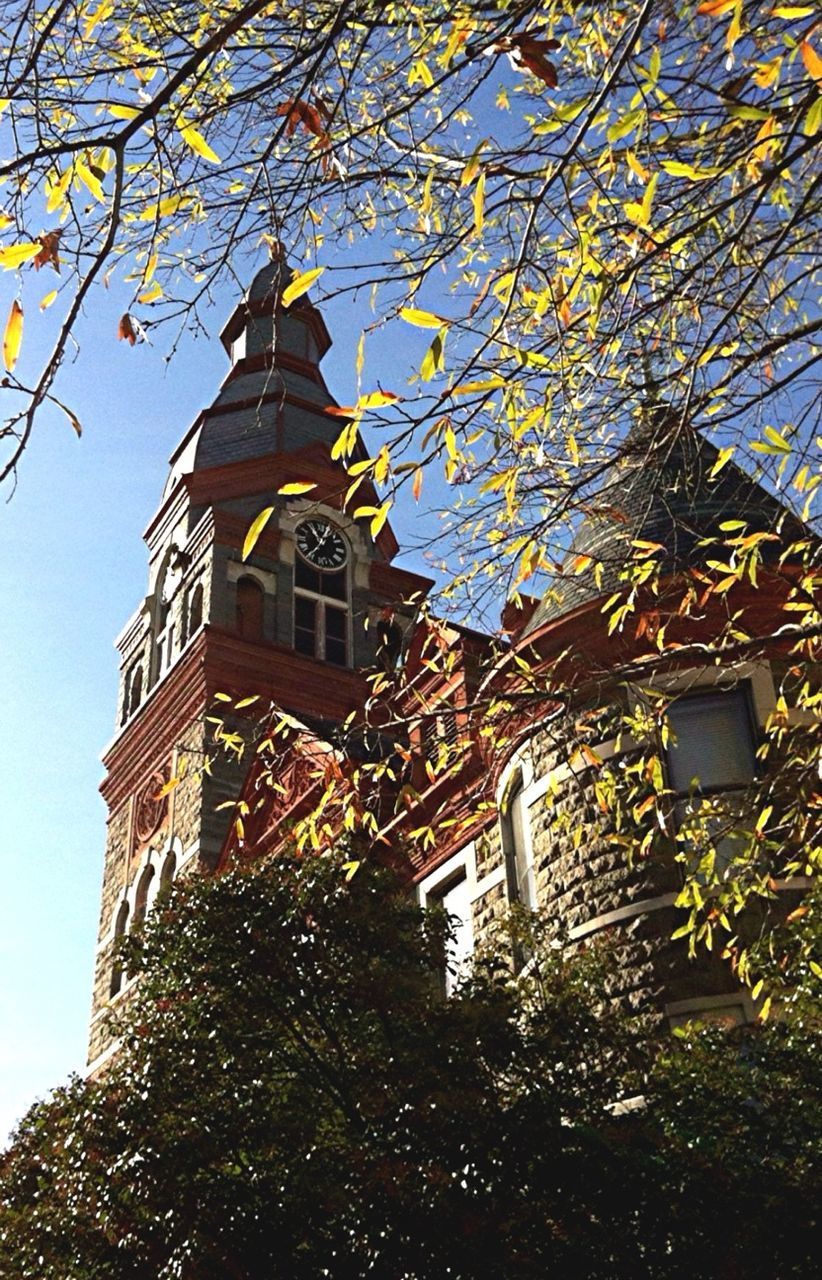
x,y
321,544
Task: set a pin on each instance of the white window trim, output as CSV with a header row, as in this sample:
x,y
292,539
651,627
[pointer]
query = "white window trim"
x,y
431,888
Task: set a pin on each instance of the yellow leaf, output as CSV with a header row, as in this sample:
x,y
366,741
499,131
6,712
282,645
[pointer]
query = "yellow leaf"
x,y
167,787
376,400
641,213
778,441
151,294
5,221
89,180
198,143
255,529
13,336
812,60
163,208
434,357
637,167
350,869
479,204
680,170
47,301
812,121
793,11
471,388
122,113
300,285
247,702
297,486
735,29
14,255
379,519
723,457
767,73
422,319
715,8
472,168
4,102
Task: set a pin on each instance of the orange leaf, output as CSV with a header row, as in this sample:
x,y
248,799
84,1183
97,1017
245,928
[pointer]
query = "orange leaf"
x,y
416,487
13,336
715,8
49,246
125,329
812,60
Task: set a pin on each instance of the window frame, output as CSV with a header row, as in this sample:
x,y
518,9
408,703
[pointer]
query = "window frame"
x,y
459,868
321,603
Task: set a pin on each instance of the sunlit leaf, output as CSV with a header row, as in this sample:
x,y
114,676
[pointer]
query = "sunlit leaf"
x,y
300,285
295,487
255,529
14,255
167,787
473,388
13,336
199,145
422,319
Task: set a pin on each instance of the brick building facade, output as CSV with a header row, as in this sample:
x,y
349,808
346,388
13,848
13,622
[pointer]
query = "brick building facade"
x,y
317,608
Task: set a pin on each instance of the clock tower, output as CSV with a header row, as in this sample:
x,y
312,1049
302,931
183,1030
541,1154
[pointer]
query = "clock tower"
x,y
295,623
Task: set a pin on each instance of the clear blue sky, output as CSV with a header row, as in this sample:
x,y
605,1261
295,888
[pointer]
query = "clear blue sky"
x,y
72,570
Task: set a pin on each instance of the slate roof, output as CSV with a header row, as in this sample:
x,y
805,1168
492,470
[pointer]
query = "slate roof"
x,y
662,490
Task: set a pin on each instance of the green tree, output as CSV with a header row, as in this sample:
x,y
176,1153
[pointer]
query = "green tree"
x,y
294,1096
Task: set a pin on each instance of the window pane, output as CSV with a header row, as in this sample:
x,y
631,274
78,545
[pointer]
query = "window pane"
x,y
713,742
526,887
334,585
305,627
335,641
306,577
335,623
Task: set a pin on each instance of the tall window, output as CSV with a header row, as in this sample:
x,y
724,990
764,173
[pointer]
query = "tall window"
x,y
132,691
250,603
117,972
453,898
516,843
711,762
195,610
165,630
321,593
167,873
141,898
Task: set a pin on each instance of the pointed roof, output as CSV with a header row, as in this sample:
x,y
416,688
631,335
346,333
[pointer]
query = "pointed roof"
x,y
274,398
665,488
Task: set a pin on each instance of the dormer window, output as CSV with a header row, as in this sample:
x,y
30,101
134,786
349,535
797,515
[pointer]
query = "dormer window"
x,y
321,593
238,347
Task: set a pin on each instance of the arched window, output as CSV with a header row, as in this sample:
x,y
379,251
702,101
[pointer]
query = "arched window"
x,y
250,601
117,972
321,592
516,843
142,896
167,873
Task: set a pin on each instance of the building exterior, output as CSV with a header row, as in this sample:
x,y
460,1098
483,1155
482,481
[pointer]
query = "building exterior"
x,y
497,750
